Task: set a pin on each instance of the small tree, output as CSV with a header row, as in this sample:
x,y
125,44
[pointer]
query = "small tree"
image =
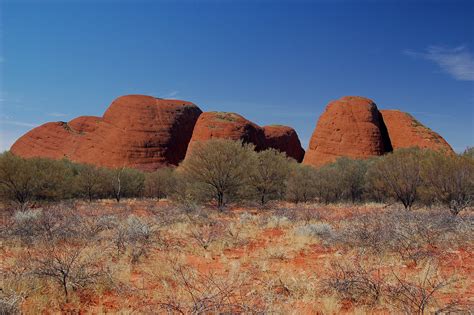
x,y
160,183
398,175
25,180
55,178
327,184
68,266
451,179
301,184
125,182
17,179
272,170
90,181
350,177
219,169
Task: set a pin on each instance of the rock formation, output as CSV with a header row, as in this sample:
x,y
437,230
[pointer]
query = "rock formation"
x,y
351,126
136,131
221,125
405,131
285,139
147,133
54,140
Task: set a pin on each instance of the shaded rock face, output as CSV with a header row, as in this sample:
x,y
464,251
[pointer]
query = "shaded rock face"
x,y
221,125
351,126
136,131
285,139
405,131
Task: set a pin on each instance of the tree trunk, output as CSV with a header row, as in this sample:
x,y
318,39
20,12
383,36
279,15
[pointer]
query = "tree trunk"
x,y
64,283
220,200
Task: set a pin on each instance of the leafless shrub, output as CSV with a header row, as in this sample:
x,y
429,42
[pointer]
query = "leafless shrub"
x,y
299,212
136,234
417,235
356,283
456,306
369,232
25,223
415,297
207,233
167,215
289,213
55,223
412,235
321,230
198,293
307,215
234,232
69,266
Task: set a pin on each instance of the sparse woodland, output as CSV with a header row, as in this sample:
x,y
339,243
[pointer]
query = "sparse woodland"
x,y
232,230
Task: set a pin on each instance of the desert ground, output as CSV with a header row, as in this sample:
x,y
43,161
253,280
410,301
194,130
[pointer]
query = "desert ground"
x,y
156,256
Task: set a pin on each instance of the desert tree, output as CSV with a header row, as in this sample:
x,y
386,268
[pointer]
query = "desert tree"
x,y
17,179
301,183
327,184
220,169
450,178
54,178
25,180
271,172
350,177
69,266
398,175
160,183
90,181
125,182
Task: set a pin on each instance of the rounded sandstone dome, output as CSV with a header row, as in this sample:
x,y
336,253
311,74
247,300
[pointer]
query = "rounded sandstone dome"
x,y
405,131
351,126
284,139
137,131
85,123
222,125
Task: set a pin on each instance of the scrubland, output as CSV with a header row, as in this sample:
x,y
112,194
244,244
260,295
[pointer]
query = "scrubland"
x,y
232,231
149,256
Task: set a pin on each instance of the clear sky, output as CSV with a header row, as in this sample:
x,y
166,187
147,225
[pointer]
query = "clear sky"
x,y
274,62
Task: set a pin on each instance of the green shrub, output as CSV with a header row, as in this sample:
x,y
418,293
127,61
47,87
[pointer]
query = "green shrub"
x,y
219,170
269,178
160,183
301,184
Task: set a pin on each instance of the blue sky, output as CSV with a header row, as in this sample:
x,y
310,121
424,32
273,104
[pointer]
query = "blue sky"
x,y
274,62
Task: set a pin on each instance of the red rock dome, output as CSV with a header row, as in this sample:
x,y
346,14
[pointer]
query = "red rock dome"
x,y
222,125
351,126
136,131
285,139
405,131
